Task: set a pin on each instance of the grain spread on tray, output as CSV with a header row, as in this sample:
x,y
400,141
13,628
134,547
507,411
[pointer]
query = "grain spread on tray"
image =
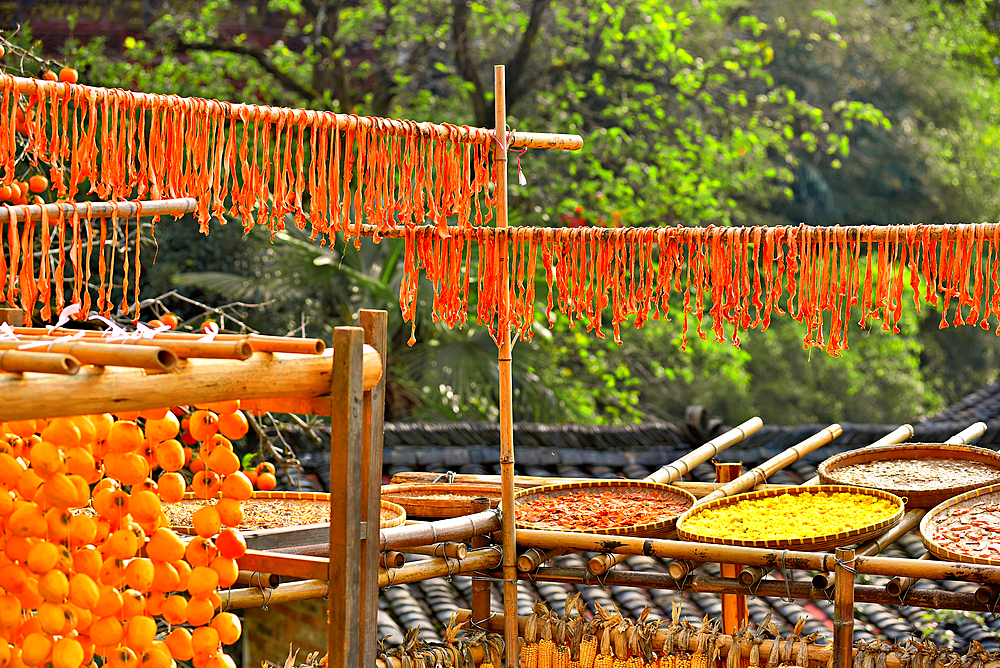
x,y
926,473
791,516
585,510
259,513
972,529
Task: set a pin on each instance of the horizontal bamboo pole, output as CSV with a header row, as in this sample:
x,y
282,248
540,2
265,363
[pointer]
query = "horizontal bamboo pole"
x,y
602,563
236,112
680,568
198,380
428,533
391,559
729,554
673,471
850,233
751,575
105,354
258,580
985,594
897,435
939,599
532,558
449,549
416,571
24,361
749,480
253,597
876,545
155,207
898,586
698,489
223,350
259,342
968,435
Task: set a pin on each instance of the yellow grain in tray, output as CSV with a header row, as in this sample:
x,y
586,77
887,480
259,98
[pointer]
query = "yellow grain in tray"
x,y
790,516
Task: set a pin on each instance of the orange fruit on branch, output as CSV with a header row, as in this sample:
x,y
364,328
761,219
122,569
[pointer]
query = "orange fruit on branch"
x,y
266,482
69,75
38,184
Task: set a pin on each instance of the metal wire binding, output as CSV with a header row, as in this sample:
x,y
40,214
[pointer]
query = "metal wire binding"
x,y
786,573
450,475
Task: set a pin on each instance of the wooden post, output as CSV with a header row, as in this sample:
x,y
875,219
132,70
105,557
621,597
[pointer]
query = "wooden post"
x,y
506,392
346,443
480,602
734,606
843,609
373,405
12,316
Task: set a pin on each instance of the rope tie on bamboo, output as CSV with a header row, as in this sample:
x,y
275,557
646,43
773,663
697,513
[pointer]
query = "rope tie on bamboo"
x,y
450,475
844,564
763,478
786,575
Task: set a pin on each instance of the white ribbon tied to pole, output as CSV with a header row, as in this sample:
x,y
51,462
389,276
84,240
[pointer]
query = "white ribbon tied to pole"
x,y
211,331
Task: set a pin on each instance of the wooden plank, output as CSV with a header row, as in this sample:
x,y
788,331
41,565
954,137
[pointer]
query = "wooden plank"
x,y
374,324
11,316
346,443
297,405
286,565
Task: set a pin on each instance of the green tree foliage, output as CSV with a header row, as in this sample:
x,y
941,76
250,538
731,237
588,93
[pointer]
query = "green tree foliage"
x,y
722,112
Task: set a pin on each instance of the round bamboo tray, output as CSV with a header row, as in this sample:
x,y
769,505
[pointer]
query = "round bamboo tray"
x,y
929,524
915,498
321,513
811,543
439,500
653,489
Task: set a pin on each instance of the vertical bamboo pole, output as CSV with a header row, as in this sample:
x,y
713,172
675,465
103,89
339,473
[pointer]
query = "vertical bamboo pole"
x,y
480,603
345,499
734,606
373,406
506,418
843,609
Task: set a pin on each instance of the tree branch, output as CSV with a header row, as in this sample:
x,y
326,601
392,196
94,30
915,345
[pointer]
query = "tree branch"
x,y
262,58
465,62
518,65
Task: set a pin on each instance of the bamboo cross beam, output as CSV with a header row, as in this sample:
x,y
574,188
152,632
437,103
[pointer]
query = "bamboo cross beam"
x,y
258,580
258,342
793,454
897,435
121,209
23,361
232,349
668,473
870,548
391,559
898,586
415,571
968,435
449,549
532,558
255,597
428,533
151,358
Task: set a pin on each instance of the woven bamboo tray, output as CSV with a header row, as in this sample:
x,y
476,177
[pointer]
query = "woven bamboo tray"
x,y
643,530
915,498
296,534
810,544
439,500
929,524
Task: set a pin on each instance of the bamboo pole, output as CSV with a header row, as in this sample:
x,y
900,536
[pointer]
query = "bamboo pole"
x,y
238,112
258,580
449,549
532,558
968,435
254,597
985,594
391,559
259,342
480,602
680,568
843,610
805,561
898,586
875,546
92,391
734,606
897,435
416,571
428,533
793,454
239,349
673,471
23,361
751,575
105,354
157,207
506,391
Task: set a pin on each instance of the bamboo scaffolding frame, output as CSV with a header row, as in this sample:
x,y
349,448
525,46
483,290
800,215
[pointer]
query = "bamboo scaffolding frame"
x,y
23,361
260,343
897,435
843,609
428,533
265,375
477,560
668,473
898,586
870,548
152,358
704,552
238,112
125,209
